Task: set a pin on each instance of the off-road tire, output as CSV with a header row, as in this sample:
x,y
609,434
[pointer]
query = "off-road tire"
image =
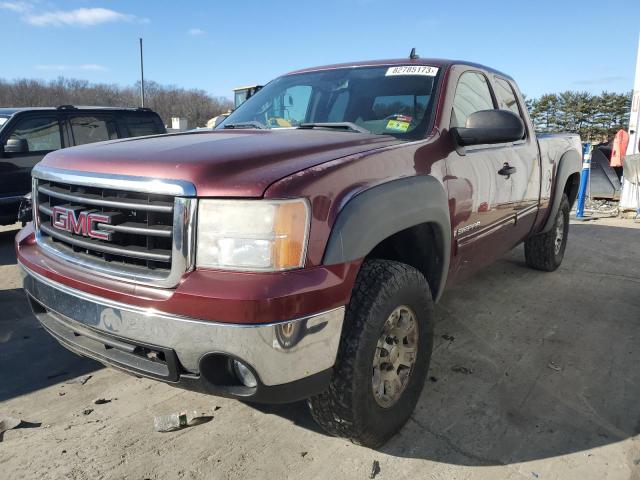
x,y
348,408
540,251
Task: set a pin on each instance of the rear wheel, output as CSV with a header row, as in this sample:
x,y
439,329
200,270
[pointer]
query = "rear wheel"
x,y
383,356
546,251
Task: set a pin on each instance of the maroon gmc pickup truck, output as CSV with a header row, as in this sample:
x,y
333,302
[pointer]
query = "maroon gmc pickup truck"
x,y
295,252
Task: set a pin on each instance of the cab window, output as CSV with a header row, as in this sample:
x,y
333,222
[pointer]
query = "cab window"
x,y
472,95
90,129
506,96
240,97
41,133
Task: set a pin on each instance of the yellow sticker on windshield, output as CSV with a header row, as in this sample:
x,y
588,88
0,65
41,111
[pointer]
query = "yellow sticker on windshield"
x,y
398,126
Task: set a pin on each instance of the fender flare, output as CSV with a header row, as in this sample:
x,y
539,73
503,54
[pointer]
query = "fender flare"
x,y
569,163
384,210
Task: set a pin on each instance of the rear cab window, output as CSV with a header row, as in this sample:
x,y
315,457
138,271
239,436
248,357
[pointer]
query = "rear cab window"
x,y
507,99
398,108
506,96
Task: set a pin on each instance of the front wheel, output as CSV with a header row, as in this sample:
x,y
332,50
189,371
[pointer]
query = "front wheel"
x,y
546,251
383,356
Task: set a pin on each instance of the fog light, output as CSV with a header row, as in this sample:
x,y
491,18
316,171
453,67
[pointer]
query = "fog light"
x,y
244,374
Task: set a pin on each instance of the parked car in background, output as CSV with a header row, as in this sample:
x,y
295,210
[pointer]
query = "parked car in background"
x,y
296,251
28,134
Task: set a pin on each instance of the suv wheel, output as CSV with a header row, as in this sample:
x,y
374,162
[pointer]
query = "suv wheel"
x,y
546,251
383,356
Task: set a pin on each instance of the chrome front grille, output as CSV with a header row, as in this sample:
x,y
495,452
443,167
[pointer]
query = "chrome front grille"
x,y
145,227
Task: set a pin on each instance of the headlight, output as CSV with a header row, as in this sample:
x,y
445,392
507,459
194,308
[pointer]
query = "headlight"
x,y
254,235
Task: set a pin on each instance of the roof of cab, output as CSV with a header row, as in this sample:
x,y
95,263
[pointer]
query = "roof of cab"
x,y
434,62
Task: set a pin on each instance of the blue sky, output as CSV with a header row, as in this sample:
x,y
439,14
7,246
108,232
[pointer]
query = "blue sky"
x,y
546,46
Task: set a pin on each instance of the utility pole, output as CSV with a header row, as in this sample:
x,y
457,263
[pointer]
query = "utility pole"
x,y
141,76
634,118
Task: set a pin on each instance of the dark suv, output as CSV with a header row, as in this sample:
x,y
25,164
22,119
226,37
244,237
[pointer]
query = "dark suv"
x,y
28,134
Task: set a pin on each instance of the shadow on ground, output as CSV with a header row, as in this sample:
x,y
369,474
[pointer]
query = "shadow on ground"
x,y
30,359
7,253
552,359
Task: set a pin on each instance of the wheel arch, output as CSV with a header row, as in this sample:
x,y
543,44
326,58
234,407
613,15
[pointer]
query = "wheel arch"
x,y
567,181
405,220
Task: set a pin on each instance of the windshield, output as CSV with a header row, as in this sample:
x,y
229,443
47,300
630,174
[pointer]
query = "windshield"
x,y
382,100
3,120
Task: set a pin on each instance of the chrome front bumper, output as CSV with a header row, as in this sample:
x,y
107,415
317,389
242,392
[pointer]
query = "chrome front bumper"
x,y
144,342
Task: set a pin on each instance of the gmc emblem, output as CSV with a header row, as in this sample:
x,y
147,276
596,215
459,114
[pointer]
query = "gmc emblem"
x,y
84,223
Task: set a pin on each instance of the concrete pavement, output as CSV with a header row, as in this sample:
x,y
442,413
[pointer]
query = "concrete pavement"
x,y
550,389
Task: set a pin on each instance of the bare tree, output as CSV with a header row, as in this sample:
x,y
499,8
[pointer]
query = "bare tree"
x,y
168,101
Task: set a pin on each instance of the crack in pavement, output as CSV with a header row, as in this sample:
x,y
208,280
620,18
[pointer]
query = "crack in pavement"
x,y
487,461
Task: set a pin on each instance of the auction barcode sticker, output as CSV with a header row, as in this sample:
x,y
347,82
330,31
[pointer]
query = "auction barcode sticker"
x,y
424,70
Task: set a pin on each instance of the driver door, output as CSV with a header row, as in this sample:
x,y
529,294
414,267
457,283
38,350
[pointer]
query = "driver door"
x,y
479,197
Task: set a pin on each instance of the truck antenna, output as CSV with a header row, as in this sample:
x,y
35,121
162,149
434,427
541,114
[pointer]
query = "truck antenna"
x,y
413,55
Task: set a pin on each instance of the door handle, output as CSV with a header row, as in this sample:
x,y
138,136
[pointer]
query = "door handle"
x,y
507,170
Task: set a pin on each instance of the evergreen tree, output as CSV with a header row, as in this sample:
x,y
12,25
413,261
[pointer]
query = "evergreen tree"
x,y
594,117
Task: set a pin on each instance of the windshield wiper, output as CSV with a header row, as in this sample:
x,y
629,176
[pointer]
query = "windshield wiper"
x,y
252,124
337,125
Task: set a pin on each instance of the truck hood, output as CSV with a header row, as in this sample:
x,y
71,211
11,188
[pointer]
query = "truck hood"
x,y
239,163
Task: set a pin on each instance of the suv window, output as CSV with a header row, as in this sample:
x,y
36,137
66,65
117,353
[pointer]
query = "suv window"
x,y
506,97
141,125
90,129
41,133
472,95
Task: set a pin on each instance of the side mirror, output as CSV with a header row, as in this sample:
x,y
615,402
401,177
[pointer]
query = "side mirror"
x,y
490,126
16,145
